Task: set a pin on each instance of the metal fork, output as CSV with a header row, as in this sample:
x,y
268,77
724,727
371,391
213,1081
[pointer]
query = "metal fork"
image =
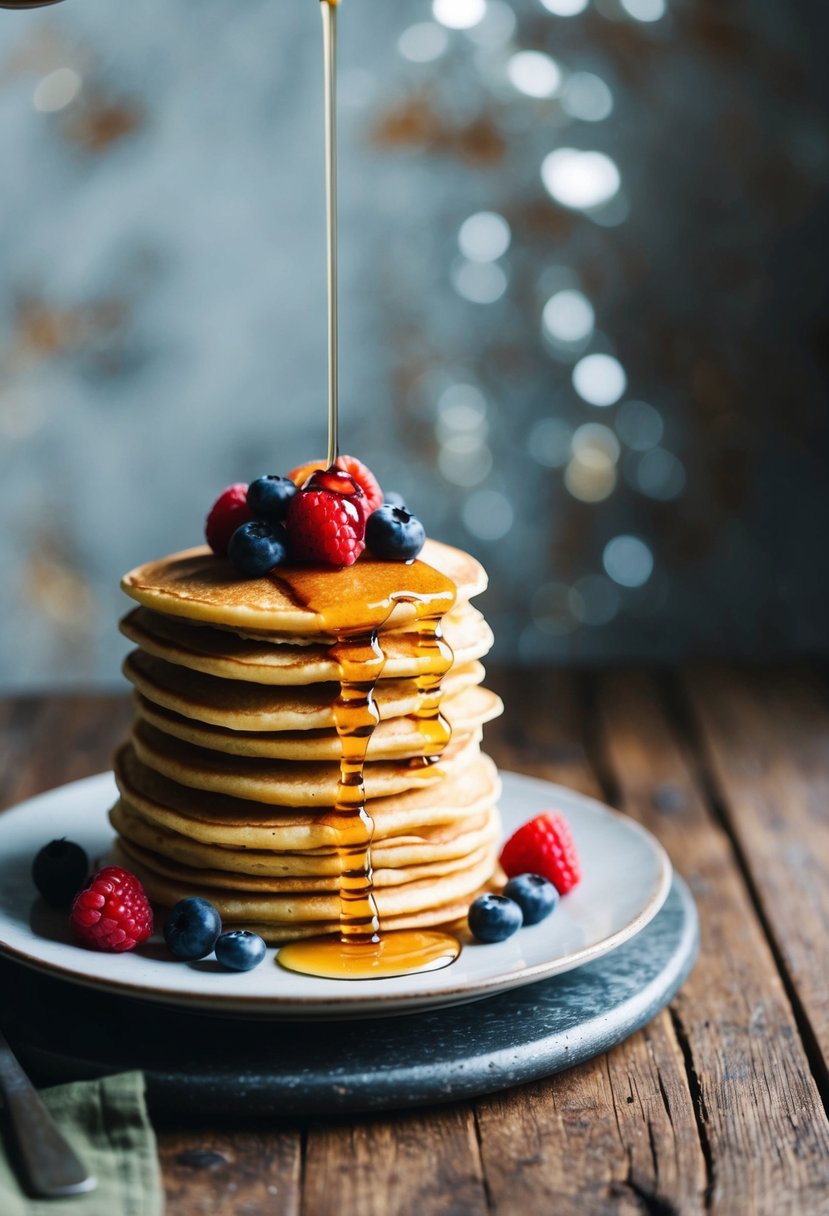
x,y
48,1163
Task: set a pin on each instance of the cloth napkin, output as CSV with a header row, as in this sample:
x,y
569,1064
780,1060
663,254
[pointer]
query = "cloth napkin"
x,y
107,1122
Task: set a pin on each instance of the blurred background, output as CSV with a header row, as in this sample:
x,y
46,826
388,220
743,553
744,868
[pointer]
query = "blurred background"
x,y
584,304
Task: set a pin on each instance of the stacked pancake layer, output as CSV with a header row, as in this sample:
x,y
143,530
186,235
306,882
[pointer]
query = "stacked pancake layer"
x,y
229,779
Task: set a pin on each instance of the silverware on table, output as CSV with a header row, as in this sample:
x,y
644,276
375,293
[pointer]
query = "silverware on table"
x,y
48,1163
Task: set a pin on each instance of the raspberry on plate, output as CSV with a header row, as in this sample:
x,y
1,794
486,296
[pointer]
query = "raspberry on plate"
x,y
363,476
229,512
543,846
113,912
325,525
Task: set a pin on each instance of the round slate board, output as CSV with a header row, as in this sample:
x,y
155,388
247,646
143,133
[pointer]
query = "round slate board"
x,y
195,1063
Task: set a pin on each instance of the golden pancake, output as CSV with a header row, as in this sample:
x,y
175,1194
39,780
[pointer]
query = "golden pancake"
x,y
214,818
259,707
311,885
217,652
404,737
440,844
196,585
284,782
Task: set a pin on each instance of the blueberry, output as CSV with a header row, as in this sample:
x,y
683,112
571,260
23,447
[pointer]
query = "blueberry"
x,y
59,871
240,950
192,928
535,896
494,918
392,499
394,534
268,498
256,548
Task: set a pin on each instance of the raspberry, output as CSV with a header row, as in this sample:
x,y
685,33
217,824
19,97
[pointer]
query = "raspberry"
x,y
543,846
113,912
325,526
363,476
229,512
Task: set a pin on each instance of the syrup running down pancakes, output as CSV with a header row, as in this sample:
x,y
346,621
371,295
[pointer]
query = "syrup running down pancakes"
x,y
306,752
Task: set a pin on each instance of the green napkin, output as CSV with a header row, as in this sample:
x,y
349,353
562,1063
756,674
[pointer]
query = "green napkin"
x,y
106,1121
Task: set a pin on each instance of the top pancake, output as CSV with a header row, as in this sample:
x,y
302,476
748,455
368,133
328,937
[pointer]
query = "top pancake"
x,y
201,587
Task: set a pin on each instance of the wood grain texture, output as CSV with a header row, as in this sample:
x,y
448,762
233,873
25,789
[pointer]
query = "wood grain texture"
x,y
766,742
238,1173
617,1134
762,1124
714,1106
394,1165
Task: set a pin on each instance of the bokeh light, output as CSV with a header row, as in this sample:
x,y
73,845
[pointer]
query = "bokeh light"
x,y
599,598
628,561
568,317
599,379
660,475
549,442
580,180
534,73
479,282
496,28
552,606
56,91
459,14
639,425
565,8
484,237
487,514
423,42
644,10
587,97
464,459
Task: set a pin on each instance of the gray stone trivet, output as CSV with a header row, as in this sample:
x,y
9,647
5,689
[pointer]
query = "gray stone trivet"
x,y
220,1066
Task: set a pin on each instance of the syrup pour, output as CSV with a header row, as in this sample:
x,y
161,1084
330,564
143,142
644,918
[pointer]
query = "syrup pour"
x,y
362,951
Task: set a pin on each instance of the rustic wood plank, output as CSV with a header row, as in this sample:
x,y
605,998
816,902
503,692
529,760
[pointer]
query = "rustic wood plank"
x,y
760,1116
617,1134
395,1165
765,737
240,1173
65,738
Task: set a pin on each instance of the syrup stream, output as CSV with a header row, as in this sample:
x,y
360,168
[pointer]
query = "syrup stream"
x,y
328,9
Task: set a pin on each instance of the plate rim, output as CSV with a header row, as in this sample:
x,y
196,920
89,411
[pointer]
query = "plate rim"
x,y
285,1008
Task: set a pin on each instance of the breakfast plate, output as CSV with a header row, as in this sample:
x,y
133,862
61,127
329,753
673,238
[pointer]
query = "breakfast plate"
x,y
626,879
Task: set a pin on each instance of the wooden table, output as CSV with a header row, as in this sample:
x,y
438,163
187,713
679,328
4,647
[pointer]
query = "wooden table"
x,y
719,1105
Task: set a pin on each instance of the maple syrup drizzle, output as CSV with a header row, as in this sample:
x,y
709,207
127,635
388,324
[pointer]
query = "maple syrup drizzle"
x,y
353,605
362,950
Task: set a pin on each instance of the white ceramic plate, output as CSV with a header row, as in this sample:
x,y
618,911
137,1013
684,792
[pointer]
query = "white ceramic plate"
x,y
626,879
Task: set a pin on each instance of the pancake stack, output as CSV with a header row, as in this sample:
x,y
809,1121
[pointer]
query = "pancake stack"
x,y
229,778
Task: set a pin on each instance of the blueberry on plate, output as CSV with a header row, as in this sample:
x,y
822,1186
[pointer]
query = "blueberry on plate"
x,y
536,896
268,498
494,918
256,548
59,871
240,950
192,928
394,534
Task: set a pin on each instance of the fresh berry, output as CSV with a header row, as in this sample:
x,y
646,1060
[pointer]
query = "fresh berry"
x,y
494,918
112,912
325,525
240,950
544,846
192,928
256,548
268,498
363,476
59,871
535,896
229,512
393,534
